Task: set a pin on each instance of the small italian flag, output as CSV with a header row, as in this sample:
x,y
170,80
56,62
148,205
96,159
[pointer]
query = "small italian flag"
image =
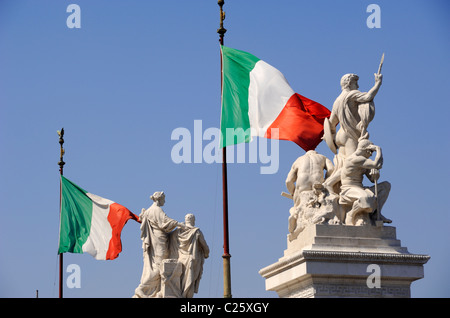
x,y
256,97
89,223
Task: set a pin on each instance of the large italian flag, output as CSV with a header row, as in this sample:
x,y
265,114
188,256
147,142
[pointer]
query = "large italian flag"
x,y
89,223
256,97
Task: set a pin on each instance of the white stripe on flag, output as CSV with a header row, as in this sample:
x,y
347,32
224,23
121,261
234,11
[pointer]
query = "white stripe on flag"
x,y
97,243
269,92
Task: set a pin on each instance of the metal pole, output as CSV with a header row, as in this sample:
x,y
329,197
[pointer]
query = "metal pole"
x,y
61,164
226,249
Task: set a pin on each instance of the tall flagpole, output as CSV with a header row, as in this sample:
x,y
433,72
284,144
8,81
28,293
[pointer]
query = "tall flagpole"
x,y
61,166
226,249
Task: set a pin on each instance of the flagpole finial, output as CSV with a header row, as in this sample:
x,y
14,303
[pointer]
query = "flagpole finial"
x,y
61,162
221,30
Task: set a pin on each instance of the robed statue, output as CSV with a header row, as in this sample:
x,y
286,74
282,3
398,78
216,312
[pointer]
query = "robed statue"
x,y
173,253
155,229
189,246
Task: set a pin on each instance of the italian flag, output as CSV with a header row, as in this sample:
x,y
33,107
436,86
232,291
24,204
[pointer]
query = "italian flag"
x,y
256,97
89,223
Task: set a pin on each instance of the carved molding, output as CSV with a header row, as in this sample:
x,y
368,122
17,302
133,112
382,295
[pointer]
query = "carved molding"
x,y
366,257
337,256
283,262
347,290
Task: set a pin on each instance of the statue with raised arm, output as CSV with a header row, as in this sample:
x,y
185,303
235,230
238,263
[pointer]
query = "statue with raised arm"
x,y
338,196
362,201
155,229
353,110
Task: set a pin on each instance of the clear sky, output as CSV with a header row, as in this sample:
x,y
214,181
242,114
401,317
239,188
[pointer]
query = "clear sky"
x,y
137,70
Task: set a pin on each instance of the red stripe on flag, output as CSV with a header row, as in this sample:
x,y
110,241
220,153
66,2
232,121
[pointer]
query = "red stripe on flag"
x,y
301,121
117,217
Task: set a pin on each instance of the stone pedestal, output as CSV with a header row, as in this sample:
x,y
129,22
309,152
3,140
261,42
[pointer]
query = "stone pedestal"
x,y
171,271
344,261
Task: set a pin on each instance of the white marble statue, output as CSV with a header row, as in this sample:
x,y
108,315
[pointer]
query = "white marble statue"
x,y
339,196
155,229
189,246
305,172
313,202
353,110
174,254
362,201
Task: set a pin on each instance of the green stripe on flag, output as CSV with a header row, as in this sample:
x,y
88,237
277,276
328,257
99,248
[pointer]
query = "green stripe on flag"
x,y
75,219
237,66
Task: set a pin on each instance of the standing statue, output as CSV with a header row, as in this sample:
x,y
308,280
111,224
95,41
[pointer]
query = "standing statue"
x,y
189,246
155,229
353,110
174,254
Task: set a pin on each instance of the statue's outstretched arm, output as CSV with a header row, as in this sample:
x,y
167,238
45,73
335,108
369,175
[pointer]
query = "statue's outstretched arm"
x,y
370,95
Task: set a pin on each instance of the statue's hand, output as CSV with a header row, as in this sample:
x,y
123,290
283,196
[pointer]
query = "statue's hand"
x,y
378,78
375,173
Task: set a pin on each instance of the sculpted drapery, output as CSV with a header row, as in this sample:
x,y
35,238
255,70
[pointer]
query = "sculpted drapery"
x,y
166,240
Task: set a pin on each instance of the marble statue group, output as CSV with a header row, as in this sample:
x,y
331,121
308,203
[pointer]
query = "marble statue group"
x,y
323,192
333,192
337,221
173,253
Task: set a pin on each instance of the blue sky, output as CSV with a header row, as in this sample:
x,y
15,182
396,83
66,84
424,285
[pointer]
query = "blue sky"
x,y
137,70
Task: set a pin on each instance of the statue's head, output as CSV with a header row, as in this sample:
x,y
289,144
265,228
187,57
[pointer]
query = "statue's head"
x,y
366,146
159,197
190,219
349,81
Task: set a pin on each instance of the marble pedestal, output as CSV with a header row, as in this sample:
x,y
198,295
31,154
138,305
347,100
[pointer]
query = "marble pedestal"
x,y
344,261
171,271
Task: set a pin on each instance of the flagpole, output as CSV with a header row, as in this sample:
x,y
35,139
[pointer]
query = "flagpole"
x,y
226,249
61,166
